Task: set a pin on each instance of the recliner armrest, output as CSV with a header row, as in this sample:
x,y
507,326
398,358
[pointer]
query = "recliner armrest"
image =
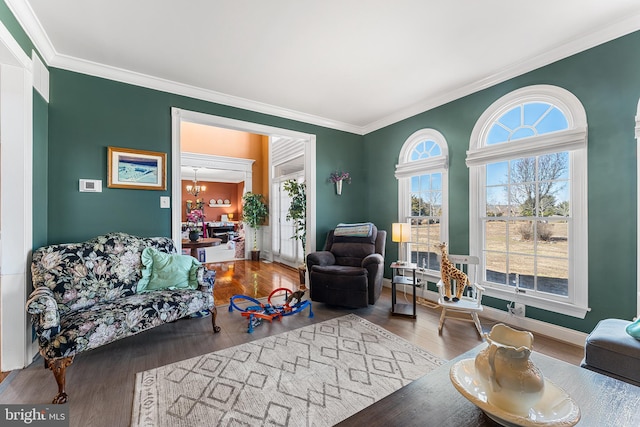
x,y
320,258
373,259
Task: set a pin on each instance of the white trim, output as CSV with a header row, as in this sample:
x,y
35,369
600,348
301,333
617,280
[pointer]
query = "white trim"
x,y
574,140
30,23
16,124
638,212
217,162
567,140
178,115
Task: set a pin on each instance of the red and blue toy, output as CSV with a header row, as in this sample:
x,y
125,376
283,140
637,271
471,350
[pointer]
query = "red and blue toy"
x,y
259,312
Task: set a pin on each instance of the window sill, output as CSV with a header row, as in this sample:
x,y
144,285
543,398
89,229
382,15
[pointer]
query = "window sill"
x,y
560,307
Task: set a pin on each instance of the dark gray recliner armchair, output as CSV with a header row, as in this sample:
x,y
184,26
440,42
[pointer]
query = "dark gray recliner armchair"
x,y
349,271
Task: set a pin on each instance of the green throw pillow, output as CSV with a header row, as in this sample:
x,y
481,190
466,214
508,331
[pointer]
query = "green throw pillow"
x,y
161,270
634,329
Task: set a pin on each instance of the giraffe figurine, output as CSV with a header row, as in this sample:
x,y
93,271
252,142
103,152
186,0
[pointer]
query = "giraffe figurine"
x,y
449,272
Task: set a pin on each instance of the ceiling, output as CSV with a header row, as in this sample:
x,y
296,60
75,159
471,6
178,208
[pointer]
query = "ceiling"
x,y
346,64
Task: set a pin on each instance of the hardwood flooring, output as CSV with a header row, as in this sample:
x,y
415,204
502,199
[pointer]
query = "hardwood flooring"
x,y
100,383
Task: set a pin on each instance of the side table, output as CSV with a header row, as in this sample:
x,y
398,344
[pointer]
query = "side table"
x,y
397,279
200,243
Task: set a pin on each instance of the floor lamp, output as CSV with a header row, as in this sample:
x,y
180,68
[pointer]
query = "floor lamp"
x,y
401,233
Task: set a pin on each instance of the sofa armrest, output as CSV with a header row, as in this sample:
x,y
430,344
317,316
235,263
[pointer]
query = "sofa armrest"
x,y
44,312
206,279
321,258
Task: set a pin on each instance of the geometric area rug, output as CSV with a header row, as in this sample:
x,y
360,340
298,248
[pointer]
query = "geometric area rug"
x,y
317,375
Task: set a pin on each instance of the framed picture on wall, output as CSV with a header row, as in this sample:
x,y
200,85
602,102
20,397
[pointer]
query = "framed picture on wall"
x,y
136,169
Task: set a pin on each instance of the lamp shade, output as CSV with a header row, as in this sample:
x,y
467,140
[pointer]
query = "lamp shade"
x,y
400,232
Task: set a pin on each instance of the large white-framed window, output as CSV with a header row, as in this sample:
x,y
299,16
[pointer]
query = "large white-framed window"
x,y
423,196
528,199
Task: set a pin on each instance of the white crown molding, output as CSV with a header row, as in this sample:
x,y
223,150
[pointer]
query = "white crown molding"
x,y
28,20
163,85
23,12
577,45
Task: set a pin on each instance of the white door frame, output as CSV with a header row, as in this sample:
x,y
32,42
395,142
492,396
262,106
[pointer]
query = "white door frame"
x,y
179,115
16,164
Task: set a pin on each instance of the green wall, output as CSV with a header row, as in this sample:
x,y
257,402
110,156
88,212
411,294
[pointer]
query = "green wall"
x,y
606,79
88,114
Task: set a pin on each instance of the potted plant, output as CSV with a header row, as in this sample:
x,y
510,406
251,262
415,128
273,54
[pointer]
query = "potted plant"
x,y
298,214
195,223
254,213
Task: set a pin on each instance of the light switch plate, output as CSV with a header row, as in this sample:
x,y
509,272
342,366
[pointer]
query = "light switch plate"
x,y
165,202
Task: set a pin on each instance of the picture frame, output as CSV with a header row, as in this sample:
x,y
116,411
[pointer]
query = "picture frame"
x,y
136,169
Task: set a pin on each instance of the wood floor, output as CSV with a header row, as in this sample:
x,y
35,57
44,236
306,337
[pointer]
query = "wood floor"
x,y
100,383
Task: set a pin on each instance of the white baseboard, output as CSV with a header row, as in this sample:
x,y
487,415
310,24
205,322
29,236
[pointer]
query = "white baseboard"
x,y
548,329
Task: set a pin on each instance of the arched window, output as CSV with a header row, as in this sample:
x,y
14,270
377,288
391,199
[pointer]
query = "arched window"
x,y
422,194
528,199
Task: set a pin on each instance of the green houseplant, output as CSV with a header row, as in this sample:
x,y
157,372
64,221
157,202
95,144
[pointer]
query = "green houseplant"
x,y
254,213
298,214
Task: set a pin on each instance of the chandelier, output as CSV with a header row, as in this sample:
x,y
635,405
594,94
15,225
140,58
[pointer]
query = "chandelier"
x,y
195,189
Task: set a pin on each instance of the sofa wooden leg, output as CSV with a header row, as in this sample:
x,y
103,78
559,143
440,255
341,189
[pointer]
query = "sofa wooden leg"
x,y
214,314
59,369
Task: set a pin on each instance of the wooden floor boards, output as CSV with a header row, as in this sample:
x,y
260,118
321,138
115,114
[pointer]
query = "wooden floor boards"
x,y
100,383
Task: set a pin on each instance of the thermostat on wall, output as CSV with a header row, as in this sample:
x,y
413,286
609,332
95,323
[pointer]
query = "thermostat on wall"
x,y
91,186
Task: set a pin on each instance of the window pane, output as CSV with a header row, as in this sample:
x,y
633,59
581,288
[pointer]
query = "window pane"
x,y
415,184
554,235
522,201
512,118
436,181
521,271
425,182
496,267
497,173
534,111
495,236
497,201
416,205
522,170
521,237
553,167
497,134
553,276
431,149
522,133
552,122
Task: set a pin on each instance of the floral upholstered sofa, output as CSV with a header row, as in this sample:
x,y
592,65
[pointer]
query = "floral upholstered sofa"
x,y
87,295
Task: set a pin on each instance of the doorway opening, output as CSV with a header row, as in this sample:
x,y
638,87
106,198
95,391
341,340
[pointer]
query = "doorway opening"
x,y
278,139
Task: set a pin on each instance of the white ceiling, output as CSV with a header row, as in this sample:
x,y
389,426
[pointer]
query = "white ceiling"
x,y
348,64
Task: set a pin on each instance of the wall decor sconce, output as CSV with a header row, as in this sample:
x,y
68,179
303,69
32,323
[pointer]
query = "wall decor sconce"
x,y
337,178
